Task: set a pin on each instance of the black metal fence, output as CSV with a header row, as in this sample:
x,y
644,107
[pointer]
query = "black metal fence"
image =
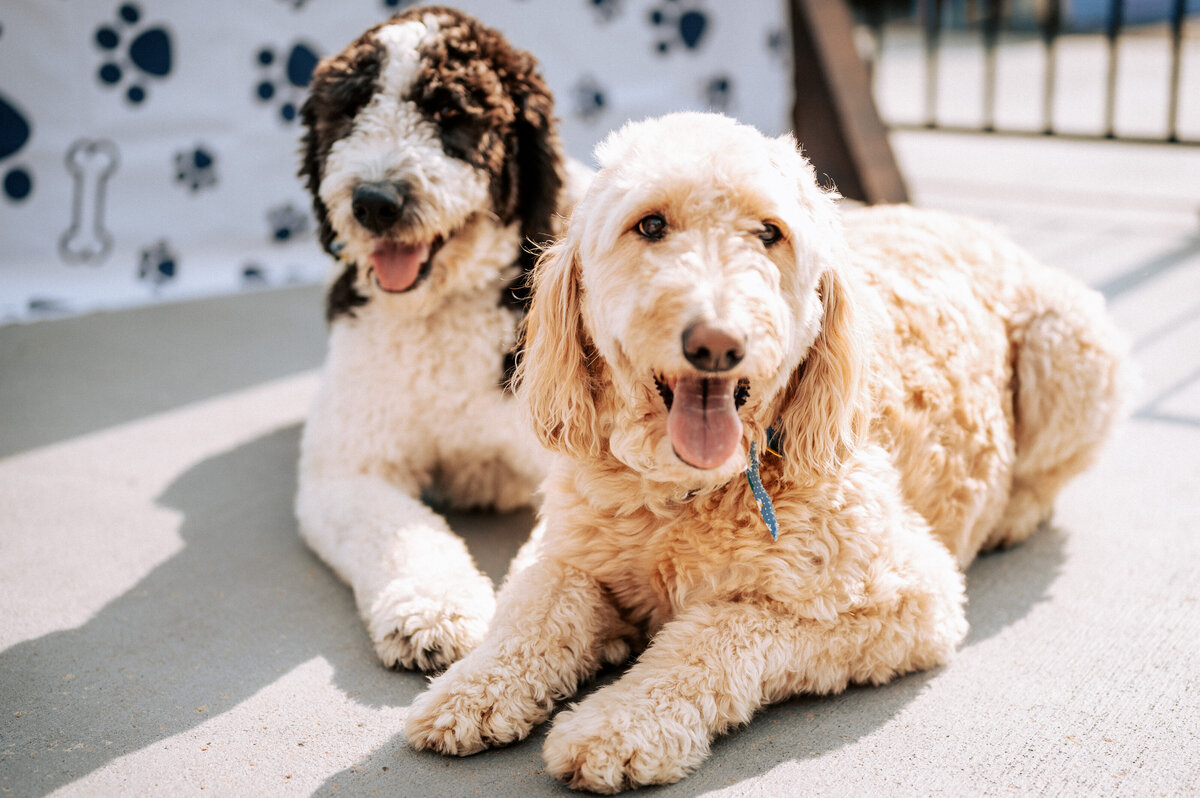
x,y
1159,103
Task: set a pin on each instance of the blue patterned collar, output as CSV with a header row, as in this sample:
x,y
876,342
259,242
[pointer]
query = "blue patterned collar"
x,y
766,508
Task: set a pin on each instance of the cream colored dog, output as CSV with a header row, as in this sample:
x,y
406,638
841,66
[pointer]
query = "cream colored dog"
x,y
928,388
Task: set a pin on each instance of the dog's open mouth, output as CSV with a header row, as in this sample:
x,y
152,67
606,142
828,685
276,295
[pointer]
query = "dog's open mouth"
x,y
401,267
702,417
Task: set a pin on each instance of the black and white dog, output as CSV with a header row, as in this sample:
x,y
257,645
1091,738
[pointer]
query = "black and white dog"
x,y
435,169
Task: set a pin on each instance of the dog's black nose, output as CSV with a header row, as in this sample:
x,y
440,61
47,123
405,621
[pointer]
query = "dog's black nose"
x,y
712,347
377,206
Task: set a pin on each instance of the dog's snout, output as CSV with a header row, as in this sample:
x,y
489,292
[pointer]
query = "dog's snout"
x,y
377,206
713,347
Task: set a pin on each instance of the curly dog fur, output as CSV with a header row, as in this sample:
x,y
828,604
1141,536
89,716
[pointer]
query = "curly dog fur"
x,y
933,388
435,168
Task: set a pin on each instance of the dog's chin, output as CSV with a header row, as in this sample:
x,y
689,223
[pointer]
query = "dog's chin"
x,y
664,467
399,267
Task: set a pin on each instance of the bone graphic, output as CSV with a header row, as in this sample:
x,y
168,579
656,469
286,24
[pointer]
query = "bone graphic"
x,y
91,163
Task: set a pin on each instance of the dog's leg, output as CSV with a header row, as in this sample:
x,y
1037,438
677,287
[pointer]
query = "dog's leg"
x,y
713,666
1067,373
554,628
424,601
528,553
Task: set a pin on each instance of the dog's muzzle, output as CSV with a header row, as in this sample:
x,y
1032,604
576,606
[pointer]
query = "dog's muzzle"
x,y
702,407
399,266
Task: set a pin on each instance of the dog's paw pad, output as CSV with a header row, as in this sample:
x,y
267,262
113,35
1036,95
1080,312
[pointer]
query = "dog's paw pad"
x,y
426,633
608,755
435,726
464,714
429,648
1022,517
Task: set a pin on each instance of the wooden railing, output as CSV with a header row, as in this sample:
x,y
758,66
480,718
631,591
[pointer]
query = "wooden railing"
x,y
926,31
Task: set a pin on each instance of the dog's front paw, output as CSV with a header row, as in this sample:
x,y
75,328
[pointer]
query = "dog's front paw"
x,y
622,746
465,712
416,628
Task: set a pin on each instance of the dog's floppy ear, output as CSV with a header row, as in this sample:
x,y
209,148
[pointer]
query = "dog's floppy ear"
x,y
555,380
535,170
825,410
311,168
340,85
539,161
825,414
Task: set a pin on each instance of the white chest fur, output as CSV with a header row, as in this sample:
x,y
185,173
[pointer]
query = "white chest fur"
x,y
420,402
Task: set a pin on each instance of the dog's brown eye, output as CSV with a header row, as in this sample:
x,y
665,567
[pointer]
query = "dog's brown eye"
x,y
653,227
770,234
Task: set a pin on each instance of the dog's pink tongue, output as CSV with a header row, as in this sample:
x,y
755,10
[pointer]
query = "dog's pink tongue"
x,y
703,423
397,265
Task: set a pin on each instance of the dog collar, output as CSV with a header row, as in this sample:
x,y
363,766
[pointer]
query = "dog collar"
x,y
766,508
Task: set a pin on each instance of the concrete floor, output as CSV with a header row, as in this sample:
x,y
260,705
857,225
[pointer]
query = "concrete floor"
x,y
163,630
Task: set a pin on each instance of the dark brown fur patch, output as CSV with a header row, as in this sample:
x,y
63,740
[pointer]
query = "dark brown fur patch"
x,y
343,298
341,85
495,112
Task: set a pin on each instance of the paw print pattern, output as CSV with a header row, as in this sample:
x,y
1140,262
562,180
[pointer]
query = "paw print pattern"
x,y
47,305
157,264
718,93
590,99
287,223
777,44
606,10
284,83
196,168
680,22
147,54
14,134
254,275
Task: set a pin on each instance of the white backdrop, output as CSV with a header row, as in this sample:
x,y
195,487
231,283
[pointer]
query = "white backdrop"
x,y
148,148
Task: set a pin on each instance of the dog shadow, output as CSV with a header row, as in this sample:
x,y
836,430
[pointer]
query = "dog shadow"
x,y
243,603
1002,587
